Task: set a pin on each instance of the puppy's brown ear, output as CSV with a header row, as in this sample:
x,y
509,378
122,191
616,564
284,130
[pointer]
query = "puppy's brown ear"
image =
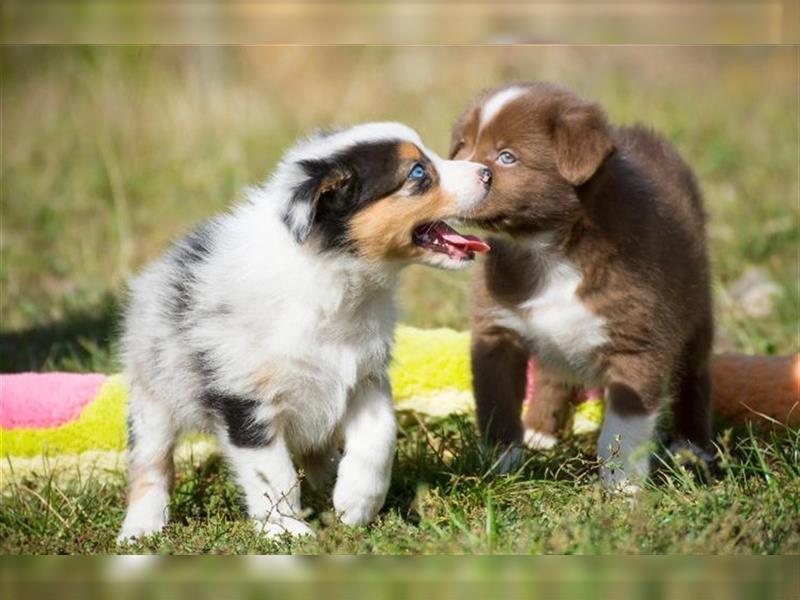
x,y
459,129
456,138
582,141
455,142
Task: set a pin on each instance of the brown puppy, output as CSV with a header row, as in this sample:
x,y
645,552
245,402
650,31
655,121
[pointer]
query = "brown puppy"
x,y
604,276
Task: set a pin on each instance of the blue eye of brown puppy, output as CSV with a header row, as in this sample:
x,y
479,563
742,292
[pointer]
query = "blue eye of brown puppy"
x,y
506,157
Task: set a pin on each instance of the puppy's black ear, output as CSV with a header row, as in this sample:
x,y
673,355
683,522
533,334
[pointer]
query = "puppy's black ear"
x,y
322,179
582,141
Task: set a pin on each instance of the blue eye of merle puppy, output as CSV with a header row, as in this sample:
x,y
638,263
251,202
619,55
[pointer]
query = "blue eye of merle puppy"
x,y
507,158
417,172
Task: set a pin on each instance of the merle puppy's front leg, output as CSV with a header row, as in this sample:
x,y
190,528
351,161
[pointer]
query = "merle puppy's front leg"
x,y
370,437
270,484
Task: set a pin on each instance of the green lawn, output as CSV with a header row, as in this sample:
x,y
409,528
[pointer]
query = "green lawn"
x,y
108,153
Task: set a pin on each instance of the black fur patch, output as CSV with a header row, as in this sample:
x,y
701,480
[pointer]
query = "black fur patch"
x,y
373,172
187,254
204,367
131,433
239,414
301,212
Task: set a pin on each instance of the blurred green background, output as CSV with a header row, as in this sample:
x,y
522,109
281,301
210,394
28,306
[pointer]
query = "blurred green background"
x,y
110,152
392,578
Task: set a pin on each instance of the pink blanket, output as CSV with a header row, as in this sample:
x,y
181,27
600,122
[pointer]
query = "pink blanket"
x,y
38,400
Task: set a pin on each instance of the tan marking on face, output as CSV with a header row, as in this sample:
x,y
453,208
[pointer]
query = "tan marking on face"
x,y
384,229
409,152
142,480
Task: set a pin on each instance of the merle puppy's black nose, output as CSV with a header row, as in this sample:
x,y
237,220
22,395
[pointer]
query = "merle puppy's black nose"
x,y
486,177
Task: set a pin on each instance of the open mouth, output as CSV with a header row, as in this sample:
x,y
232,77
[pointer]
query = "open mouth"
x,y
438,236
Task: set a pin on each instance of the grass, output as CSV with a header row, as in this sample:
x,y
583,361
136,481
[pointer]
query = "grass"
x,y
445,498
107,153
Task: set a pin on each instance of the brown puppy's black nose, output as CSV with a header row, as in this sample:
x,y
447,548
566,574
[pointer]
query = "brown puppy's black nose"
x,y
486,177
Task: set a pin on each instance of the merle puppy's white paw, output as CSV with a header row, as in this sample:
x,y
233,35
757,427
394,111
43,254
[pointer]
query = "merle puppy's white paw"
x,y
145,516
136,530
279,526
358,500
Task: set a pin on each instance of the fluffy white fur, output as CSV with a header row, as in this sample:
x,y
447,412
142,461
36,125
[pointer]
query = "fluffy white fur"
x,y
307,333
562,329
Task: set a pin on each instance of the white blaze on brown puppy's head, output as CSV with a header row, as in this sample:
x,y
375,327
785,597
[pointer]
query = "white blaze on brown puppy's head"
x,y
384,196
539,141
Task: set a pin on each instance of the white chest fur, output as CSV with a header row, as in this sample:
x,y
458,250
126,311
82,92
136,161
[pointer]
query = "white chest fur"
x,y
320,372
561,329
301,331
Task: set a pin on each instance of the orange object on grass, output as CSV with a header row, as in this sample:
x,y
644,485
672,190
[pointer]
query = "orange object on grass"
x,y
746,387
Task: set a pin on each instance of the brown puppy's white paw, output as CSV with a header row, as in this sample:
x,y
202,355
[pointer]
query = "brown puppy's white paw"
x,y
539,440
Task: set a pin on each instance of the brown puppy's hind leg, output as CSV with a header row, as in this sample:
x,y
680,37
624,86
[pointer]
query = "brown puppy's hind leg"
x,y
546,414
692,387
691,409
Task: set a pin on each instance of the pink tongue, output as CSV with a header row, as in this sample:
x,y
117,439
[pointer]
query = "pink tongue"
x,y
469,242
